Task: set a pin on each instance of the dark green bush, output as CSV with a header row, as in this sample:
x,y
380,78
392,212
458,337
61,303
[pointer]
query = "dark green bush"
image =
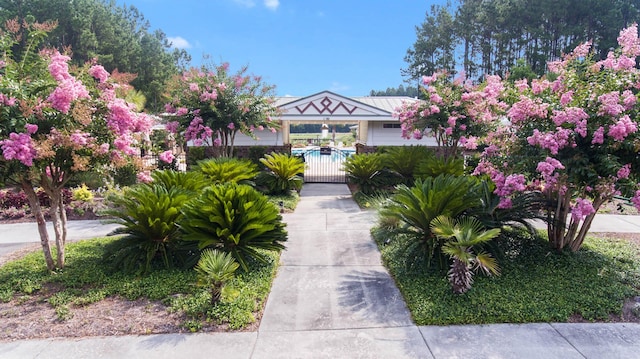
x,y
125,175
236,219
404,160
195,154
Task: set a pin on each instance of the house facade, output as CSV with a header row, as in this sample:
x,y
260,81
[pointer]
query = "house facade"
x,y
370,116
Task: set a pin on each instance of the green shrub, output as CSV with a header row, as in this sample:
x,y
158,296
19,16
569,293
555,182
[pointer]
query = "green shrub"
x,y
195,154
282,173
364,170
435,166
256,153
415,207
525,207
148,215
537,284
86,279
126,175
228,169
190,181
236,219
404,160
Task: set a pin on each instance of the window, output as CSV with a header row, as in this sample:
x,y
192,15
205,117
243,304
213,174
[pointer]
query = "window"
x,y
390,125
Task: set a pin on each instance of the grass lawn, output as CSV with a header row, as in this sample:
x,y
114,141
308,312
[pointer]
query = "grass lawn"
x,y
86,279
537,284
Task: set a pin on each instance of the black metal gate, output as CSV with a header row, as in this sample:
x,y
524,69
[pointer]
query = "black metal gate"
x,y
324,164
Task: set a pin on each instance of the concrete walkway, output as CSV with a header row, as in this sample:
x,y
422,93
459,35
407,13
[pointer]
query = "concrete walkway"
x,y
332,298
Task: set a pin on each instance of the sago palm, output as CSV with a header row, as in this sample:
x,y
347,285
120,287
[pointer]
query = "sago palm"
x,y
364,170
214,270
415,207
147,214
236,219
283,172
228,169
191,181
404,160
461,236
435,166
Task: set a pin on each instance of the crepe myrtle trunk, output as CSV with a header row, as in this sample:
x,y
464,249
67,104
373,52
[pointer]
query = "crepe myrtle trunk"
x,y
563,230
34,203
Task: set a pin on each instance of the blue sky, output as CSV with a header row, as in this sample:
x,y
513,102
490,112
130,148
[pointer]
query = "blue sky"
x,y
301,46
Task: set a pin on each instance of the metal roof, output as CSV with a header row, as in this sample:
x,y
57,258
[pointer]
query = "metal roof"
x,y
385,103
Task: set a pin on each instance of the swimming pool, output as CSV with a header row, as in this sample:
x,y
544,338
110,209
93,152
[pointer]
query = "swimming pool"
x,y
316,154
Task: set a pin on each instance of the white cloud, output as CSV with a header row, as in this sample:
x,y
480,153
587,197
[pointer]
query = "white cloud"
x,y
272,4
178,42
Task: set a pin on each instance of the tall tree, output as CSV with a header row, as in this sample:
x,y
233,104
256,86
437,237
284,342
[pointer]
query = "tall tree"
x,y
489,36
409,91
117,37
434,48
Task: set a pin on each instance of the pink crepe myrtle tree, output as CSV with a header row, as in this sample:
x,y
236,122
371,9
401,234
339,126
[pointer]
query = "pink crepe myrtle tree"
x,y
572,135
209,106
456,113
56,122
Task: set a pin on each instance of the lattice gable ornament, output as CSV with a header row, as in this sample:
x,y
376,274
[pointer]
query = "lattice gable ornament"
x,y
327,103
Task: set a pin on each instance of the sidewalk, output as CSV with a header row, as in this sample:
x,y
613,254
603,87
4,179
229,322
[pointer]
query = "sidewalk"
x,y
332,298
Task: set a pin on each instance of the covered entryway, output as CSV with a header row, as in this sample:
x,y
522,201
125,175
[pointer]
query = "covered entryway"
x,y
324,164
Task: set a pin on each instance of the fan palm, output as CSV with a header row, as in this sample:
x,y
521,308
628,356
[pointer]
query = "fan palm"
x,y
215,269
460,238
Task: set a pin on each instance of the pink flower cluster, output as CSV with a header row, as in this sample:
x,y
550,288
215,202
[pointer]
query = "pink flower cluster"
x,y
166,156
624,171
19,146
629,41
172,126
548,168
81,138
144,177
7,100
581,209
623,128
553,141
636,200
99,73
527,108
407,115
69,88
198,132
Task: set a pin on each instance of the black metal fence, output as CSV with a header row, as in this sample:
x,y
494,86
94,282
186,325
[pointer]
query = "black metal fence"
x,y
324,164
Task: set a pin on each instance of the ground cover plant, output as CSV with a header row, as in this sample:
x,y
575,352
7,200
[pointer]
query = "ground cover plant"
x,y
87,281
537,284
